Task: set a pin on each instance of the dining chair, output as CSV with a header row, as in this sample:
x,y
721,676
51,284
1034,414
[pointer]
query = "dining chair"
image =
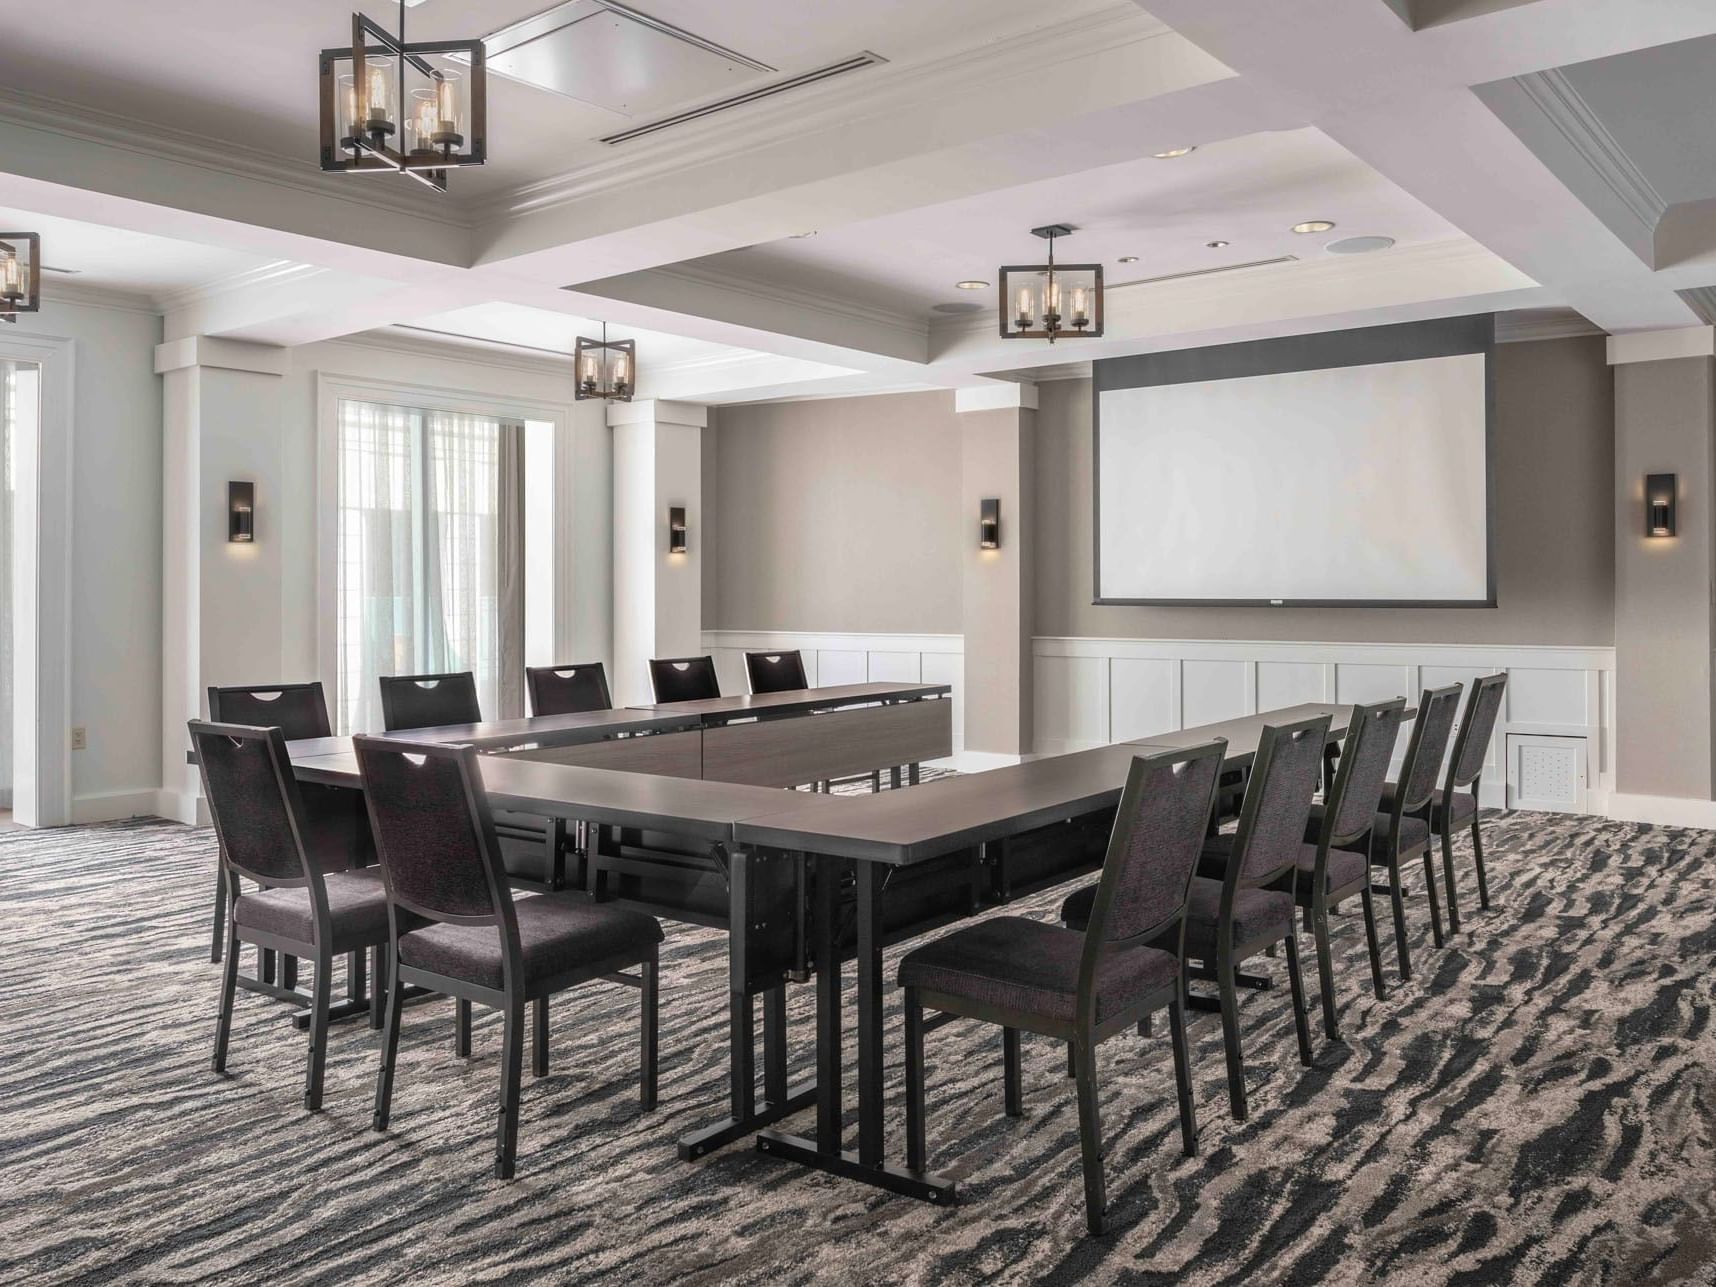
x,y
1454,805
1330,871
455,927
1250,908
568,690
298,910
683,679
428,701
1081,986
776,672
338,835
1402,827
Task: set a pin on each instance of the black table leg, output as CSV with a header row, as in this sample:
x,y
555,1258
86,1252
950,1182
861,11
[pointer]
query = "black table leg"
x,y
774,1045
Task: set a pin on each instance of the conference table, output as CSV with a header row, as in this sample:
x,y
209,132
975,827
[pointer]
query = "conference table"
x,y
803,882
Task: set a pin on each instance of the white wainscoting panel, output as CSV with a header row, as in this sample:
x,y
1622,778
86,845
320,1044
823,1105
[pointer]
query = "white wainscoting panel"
x,y
1088,692
849,659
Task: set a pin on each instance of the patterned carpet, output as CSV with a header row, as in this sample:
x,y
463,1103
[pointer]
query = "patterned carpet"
x,y
1537,1106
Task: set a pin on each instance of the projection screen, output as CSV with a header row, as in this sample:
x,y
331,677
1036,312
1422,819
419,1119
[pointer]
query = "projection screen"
x,y
1350,485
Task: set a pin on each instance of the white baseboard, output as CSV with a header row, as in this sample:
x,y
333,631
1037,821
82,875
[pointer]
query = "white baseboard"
x,y
112,806
1662,810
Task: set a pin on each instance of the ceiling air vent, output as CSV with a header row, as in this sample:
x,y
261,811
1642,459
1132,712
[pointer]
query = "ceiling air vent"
x,y
1205,272
865,59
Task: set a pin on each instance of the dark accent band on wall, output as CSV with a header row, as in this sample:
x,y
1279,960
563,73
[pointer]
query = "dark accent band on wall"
x,y
1321,351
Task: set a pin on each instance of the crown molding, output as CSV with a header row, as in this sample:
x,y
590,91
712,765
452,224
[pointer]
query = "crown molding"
x,y
785,296
414,342
886,88
1554,95
1701,300
64,292
23,110
1529,324
274,273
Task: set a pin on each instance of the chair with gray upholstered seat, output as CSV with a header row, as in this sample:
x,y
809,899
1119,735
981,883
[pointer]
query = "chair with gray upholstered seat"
x,y
776,672
683,679
1454,805
428,701
1402,826
568,690
457,929
1081,986
298,910
1251,907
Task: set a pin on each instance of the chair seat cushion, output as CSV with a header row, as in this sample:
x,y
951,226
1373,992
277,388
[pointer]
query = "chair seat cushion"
x,y
558,934
1029,966
1414,834
357,908
1465,806
1259,915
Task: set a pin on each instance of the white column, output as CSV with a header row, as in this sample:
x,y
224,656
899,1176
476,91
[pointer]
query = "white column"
x,y
221,600
658,596
999,424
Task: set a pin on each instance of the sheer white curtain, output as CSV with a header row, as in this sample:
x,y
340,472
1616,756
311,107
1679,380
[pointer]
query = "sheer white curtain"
x,y
424,574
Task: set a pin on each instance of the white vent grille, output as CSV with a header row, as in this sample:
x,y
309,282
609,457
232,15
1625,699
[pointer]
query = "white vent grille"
x,y
1546,773
855,63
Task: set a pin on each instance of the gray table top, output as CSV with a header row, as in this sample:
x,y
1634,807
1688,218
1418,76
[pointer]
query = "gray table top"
x,y
1244,734
798,699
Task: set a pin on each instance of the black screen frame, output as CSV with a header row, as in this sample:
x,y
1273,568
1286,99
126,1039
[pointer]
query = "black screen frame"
x,y
1324,350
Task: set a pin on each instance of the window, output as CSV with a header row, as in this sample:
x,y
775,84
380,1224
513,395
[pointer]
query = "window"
x,y
429,554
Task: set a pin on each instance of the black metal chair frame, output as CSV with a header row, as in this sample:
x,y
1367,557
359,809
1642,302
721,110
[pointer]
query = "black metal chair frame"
x,y
1083,1032
317,951
1470,744
547,686
1230,954
510,999
397,720
1366,722
704,666
759,665
1403,807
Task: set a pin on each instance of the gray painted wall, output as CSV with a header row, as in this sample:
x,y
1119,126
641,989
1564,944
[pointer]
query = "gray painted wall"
x,y
1555,547
838,514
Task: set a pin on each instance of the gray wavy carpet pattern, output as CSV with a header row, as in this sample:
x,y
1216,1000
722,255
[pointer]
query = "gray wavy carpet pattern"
x,y
1538,1105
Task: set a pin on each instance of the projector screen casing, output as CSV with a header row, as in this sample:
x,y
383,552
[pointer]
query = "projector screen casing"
x,y
1326,351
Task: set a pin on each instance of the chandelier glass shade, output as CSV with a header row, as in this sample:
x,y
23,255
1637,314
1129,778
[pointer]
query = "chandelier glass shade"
x,y
605,368
1051,301
20,274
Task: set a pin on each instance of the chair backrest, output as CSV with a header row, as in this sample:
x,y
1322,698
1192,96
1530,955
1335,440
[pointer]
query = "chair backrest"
x,y
775,672
1277,805
1423,763
683,679
434,832
426,701
1483,707
1349,809
253,799
568,690
298,710
1153,849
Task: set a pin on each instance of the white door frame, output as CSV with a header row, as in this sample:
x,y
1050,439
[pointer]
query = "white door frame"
x,y
41,589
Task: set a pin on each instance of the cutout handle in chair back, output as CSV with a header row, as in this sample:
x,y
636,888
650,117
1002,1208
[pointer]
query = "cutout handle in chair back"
x,y
683,679
1436,710
1278,801
1357,791
297,710
775,672
1482,711
426,701
432,828
253,799
1153,848
568,690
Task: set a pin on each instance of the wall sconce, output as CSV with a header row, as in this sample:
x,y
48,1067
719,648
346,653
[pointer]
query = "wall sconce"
x,y
241,511
989,524
676,529
1659,504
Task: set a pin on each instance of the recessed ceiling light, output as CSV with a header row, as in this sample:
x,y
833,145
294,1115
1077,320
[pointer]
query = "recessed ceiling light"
x,y
959,307
1173,152
800,236
1358,245
1314,225
1129,259
1215,245
972,284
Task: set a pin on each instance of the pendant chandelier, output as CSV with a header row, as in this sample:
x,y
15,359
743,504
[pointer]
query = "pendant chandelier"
x,y
1051,301
605,368
20,274
391,107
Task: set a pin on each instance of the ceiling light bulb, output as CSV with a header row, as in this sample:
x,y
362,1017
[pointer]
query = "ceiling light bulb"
x,y
1217,244
1173,152
1314,225
1129,259
972,284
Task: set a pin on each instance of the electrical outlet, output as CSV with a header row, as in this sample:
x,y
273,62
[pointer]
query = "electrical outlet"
x,y
80,738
